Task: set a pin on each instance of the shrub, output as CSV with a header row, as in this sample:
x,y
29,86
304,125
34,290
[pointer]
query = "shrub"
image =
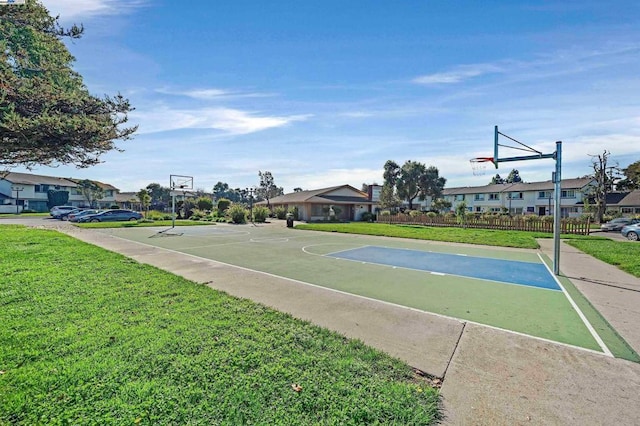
x,y
294,212
204,203
368,217
237,213
197,214
260,214
432,214
223,205
114,206
281,212
415,213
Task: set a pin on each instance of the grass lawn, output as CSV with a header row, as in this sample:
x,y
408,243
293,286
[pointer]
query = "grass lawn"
x,y
490,237
91,337
623,254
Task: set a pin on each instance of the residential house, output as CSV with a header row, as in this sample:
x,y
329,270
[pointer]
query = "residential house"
x,y
627,204
522,198
346,202
29,191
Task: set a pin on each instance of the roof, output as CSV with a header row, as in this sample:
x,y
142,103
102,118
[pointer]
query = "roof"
x,y
577,183
629,199
322,195
31,179
124,197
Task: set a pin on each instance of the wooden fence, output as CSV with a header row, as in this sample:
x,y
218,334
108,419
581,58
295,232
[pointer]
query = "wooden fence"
x,y
527,223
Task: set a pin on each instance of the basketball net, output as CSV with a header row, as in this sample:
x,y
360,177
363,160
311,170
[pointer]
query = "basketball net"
x,y
479,165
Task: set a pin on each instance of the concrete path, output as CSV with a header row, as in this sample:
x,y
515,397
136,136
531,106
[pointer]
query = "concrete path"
x,y
490,376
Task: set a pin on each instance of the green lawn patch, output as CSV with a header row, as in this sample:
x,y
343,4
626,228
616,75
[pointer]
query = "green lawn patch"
x,y
489,237
90,336
623,254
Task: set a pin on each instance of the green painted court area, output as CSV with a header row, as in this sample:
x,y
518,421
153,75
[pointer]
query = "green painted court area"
x,y
313,258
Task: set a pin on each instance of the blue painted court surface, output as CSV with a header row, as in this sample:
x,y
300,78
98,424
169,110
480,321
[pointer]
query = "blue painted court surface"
x,y
506,271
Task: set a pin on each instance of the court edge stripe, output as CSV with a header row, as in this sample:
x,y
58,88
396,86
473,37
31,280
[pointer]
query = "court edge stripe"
x,y
584,319
517,333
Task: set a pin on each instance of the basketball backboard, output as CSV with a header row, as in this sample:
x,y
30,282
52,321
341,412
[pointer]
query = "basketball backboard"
x,y
178,182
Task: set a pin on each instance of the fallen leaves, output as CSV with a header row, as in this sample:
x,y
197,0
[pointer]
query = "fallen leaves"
x,y
296,387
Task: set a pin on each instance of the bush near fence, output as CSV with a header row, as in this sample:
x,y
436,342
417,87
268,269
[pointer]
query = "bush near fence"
x,y
520,223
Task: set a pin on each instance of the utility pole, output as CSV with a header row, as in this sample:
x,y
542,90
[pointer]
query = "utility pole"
x,y
17,189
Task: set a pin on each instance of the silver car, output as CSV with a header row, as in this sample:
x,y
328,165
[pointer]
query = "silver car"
x,y
617,224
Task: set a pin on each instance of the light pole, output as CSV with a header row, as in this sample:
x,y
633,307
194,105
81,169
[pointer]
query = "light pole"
x,y
250,191
17,189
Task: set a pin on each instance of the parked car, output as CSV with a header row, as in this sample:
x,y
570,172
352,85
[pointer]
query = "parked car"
x,y
64,215
115,215
56,211
617,224
73,216
631,232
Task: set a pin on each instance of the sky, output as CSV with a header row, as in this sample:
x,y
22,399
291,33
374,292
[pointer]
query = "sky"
x,y
323,93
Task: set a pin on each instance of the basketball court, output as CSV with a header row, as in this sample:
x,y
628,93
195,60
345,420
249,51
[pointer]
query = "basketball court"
x,y
508,289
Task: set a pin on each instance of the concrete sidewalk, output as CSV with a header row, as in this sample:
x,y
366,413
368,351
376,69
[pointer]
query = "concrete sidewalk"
x,y
490,376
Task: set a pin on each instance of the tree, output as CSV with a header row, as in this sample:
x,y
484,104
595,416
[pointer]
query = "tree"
x,y
268,188
91,191
388,198
631,180
391,173
145,200
440,204
57,198
220,190
496,180
47,115
160,195
514,177
298,189
415,180
604,180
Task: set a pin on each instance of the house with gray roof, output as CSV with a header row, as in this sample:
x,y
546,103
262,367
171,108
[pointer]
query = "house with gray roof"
x,y
627,204
346,202
29,191
522,197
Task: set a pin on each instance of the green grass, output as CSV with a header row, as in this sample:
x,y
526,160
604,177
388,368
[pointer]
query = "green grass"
x,y
490,237
136,224
91,337
623,254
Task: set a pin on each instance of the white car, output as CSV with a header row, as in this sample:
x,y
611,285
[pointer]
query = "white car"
x,y
58,210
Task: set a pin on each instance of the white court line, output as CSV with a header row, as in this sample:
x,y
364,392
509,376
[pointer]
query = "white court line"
x,y
584,319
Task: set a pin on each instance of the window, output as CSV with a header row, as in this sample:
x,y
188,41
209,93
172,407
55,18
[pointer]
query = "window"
x,y
495,209
42,188
627,210
108,193
545,194
516,195
637,210
568,193
494,196
478,197
459,197
478,209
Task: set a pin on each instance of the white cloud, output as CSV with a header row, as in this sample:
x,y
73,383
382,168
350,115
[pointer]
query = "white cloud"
x,y
458,74
84,8
212,93
229,121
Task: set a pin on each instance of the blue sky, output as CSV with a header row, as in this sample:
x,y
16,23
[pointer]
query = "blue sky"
x,y
323,93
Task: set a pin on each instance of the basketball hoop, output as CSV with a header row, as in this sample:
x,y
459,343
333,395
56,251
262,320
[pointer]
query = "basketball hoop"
x,y
479,165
